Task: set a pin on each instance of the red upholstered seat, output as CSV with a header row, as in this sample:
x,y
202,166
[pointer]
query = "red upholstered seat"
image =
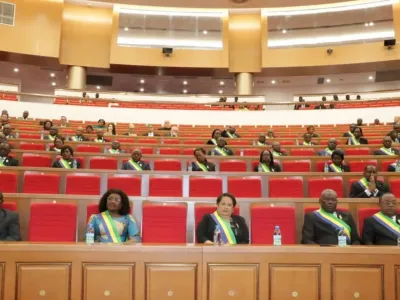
x,y
171,142
82,184
320,165
10,206
265,218
395,187
237,143
103,163
131,185
167,165
88,148
165,187
251,152
8,182
145,150
358,166
232,166
357,151
386,163
364,213
164,223
245,187
148,141
188,151
41,183
36,160
35,136
296,166
286,187
302,152
194,142
205,186
32,146
53,222
170,151
317,185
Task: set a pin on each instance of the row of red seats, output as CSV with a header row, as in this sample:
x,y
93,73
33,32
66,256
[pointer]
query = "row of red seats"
x,y
57,222
242,187
8,97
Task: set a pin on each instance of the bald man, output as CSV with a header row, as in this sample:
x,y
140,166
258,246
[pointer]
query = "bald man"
x,y
136,163
7,132
383,228
387,147
323,225
332,144
5,159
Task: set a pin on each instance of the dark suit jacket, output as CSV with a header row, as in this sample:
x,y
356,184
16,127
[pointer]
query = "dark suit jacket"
x,y
276,168
147,134
379,152
205,229
210,167
210,142
376,234
227,151
10,162
9,226
363,141
144,165
316,231
57,164
345,168
225,134
357,191
82,138
392,168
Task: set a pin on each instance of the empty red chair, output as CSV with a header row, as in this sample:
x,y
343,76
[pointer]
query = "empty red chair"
x,y
296,166
165,187
148,141
357,151
251,152
319,165
237,143
170,151
171,141
188,151
145,150
232,166
53,222
286,143
103,163
8,182
359,166
164,223
35,136
205,186
317,185
194,142
10,206
36,160
364,213
32,146
41,183
167,165
91,209
88,148
395,187
245,187
286,187
302,152
131,185
265,218
82,184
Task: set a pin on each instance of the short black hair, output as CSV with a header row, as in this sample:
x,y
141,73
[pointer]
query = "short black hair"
x,y
214,131
360,130
310,126
199,149
227,195
47,121
125,207
58,137
89,126
101,120
338,153
65,148
304,135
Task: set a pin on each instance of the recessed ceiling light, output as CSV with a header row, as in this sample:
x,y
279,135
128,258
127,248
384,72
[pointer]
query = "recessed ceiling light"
x,y
184,91
142,81
366,24
126,28
221,83
89,4
142,90
371,23
328,80
53,84
16,70
371,77
284,31
185,82
273,81
52,75
220,91
98,87
205,32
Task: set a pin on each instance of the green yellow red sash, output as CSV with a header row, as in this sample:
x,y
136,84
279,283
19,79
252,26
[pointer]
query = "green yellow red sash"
x,y
220,151
65,164
226,230
274,153
387,151
201,166
329,151
1,164
52,138
109,227
335,168
113,151
265,168
135,165
364,183
307,144
260,144
333,220
354,140
214,141
232,136
351,134
387,222
76,138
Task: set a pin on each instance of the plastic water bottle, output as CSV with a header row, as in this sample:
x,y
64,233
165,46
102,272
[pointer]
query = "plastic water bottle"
x,y
217,236
158,151
342,240
254,143
297,142
349,142
90,235
277,236
190,167
241,152
397,167
41,135
161,141
17,135
326,168
260,169
74,164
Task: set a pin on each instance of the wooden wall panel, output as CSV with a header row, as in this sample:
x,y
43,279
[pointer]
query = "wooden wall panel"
x,y
245,43
37,28
86,36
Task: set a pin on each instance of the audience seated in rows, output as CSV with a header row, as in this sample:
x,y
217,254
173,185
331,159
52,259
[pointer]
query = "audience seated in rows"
x,y
201,164
67,160
136,163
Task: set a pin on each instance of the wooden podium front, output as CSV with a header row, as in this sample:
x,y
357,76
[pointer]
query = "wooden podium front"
x,y
190,272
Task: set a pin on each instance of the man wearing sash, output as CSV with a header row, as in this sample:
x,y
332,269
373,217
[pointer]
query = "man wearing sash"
x,y
369,186
115,148
135,162
332,144
79,137
323,225
351,130
233,228
383,228
230,133
9,224
307,140
216,134
261,141
394,137
387,148
99,136
7,132
221,149
53,133
276,150
5,159
201,164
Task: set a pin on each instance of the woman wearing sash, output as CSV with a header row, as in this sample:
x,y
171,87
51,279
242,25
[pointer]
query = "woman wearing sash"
x,y
357,138
58,144
67,160
337,164
114,223
267,163
214,137
221,149
201,164
233,228
307,140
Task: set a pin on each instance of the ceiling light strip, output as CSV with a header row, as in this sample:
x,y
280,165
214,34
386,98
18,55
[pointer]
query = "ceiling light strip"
x,y
177,13
158,42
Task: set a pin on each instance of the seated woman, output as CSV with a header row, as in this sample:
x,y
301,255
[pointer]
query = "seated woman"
x,y
201,164
267,163
221,149
357,138
214,137
67,160
233,228
47,125
114,224
58,144
337,165
111,129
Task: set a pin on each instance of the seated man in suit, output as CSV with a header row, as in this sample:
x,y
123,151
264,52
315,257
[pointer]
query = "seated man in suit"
x,y
9,223
115,148
135,163
7,132
79,137
5,159
131,130
277,150
150,131
383,228
230,132
201,164
368,186
174,132
100,136
351,130
387,148
307,140
221,149
53,133
332,144
323,225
